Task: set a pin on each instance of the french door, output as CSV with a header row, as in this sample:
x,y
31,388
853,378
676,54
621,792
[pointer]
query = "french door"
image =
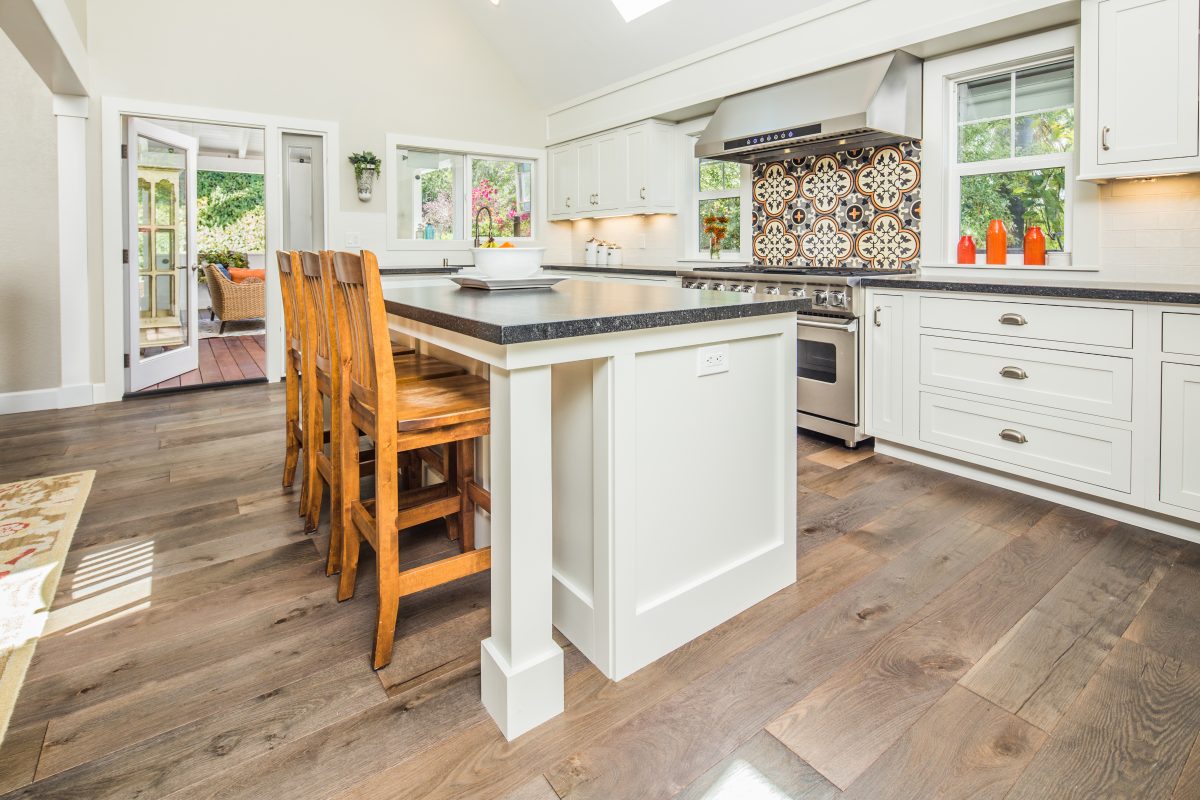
x,y
161,254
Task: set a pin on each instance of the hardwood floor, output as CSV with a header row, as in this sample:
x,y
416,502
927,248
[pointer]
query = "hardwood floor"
x,y
945,639
223,359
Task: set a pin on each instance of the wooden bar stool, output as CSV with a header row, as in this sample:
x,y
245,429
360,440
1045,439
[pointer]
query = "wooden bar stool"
x,y
289,271
320,382
400,418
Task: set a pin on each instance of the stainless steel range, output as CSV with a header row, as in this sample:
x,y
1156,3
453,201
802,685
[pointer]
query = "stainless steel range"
x,y
829,347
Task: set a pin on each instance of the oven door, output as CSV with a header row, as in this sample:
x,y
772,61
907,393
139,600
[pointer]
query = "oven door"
x,y
827,368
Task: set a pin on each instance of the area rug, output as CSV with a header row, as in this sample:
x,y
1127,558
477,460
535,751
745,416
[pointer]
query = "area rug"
x,y
37,522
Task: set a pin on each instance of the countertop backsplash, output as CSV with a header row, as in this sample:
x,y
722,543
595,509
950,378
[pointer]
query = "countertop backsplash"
x,y
853,208
1150,229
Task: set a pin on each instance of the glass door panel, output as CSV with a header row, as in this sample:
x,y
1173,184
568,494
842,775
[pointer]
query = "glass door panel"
x,y
162,325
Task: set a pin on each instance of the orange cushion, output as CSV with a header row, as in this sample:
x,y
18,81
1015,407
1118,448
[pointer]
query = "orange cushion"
x,y
239,275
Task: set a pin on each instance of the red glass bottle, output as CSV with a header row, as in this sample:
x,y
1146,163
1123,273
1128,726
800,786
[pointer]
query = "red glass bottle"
x,y
966,250
1035,247
997,242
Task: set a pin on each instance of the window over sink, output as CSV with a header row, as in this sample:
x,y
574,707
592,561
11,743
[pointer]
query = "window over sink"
x,y
1013,156
436,189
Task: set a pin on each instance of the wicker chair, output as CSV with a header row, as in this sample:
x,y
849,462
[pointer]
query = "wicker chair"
x,y
233,301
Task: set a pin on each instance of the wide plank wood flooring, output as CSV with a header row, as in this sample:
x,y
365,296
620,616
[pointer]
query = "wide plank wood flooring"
x,y
223,359
945,639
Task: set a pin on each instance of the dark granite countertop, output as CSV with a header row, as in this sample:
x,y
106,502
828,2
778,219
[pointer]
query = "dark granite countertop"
x,y
418,270
621,270
572,308
1182,294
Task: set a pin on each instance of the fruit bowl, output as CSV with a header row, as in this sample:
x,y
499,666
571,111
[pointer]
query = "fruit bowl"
x,y
508,262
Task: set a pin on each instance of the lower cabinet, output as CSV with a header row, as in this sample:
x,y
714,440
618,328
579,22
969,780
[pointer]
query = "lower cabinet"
x,y
885,366
1180,469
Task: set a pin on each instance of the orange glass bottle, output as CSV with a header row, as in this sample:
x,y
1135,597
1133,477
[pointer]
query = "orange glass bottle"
x,y
1035,247
997,242
966,250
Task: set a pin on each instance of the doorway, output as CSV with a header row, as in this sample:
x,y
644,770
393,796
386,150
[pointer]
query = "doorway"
x,y
198,283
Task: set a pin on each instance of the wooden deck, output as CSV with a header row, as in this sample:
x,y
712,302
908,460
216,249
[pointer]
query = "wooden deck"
x,y
224,359
945,639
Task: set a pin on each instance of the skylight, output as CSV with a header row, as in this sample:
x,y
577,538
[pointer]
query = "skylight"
x,y
632,9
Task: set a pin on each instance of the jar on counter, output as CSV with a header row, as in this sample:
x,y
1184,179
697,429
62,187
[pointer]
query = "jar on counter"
x,y
614,256
589,251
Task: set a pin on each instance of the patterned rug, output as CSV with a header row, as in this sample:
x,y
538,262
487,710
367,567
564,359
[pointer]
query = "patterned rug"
x,y
37,521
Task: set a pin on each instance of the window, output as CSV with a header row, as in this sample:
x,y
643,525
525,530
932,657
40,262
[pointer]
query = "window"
x,y
1011,159
720,193
436,193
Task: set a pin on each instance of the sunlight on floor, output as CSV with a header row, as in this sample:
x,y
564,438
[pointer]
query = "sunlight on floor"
x,y
742,781
106,585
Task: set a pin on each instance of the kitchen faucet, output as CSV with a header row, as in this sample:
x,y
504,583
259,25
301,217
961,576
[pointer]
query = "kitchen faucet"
x,y
491,224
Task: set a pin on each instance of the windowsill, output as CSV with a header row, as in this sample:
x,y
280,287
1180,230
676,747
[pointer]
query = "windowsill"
x,y
1017,262
738,261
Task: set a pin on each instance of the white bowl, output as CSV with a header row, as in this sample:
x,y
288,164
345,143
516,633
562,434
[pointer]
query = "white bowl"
x,y
508,262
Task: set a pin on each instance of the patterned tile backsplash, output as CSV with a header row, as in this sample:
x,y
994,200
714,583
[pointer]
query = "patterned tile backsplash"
x,y
854,208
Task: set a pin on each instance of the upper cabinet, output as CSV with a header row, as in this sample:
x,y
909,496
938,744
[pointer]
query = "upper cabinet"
x,y
1140,60
627,171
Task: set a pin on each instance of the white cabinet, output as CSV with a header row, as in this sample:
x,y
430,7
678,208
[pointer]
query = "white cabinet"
x,y
1180,465
1138,104
631,170
885,366
564,181
599,178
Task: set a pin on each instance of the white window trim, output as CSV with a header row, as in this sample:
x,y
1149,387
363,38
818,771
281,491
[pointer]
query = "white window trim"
x,y
463,150
692,196
940,186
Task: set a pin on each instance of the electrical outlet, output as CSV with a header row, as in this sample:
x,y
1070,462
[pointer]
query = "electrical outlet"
x,y
712,359
641,242
353,239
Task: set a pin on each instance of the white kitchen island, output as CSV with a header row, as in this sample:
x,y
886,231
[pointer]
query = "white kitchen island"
x,y
636,504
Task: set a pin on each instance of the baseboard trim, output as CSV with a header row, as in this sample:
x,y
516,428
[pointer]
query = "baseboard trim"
x,y
1178,528
83,394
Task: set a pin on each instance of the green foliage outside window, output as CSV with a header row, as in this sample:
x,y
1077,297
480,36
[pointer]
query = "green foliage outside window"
x,y
230,212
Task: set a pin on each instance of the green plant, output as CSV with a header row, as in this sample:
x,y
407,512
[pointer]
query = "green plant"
x,y
365,160
230,212
230,258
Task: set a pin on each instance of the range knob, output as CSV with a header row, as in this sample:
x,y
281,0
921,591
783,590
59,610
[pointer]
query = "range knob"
x,y
798,292
700,285
746,288
718,287
820,297
770,290
837,299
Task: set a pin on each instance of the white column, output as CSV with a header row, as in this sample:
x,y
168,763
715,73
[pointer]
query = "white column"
x,y
522,666
71,112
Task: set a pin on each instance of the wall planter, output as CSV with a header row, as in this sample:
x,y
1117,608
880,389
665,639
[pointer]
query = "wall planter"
x,y
366,169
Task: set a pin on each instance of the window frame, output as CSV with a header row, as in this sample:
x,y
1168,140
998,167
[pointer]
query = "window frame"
x,y
692,225
957,170
464,152
941,171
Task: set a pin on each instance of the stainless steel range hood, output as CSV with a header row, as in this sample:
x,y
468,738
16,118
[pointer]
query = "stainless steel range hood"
x,y
870,102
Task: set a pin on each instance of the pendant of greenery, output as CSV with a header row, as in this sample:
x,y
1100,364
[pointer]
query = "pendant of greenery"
x,y
364,161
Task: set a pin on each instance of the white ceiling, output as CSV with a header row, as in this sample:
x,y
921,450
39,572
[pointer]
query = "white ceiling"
x,y
561,49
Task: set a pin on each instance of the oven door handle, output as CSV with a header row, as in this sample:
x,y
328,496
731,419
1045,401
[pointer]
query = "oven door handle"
x,y
848,327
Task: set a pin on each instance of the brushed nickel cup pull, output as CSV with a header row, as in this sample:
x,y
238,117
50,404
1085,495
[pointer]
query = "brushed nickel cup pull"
x,y
1104,138
1016,373
1012,319
878,322
1009,435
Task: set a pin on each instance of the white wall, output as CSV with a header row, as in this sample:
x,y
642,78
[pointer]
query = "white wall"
x,y
1150,230
29,332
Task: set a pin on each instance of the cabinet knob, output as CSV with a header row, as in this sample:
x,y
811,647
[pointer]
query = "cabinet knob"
x,y
1016,373
1012,319
1009,435
1104,138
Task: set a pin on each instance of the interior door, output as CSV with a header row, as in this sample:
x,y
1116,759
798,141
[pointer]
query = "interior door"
x,y
161,254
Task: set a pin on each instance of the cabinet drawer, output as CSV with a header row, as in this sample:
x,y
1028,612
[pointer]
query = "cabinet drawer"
x,y
1106,327
1181,334
1081,451
1082,382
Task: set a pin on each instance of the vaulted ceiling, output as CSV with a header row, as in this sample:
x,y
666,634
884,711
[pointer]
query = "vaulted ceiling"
x,y
562,49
